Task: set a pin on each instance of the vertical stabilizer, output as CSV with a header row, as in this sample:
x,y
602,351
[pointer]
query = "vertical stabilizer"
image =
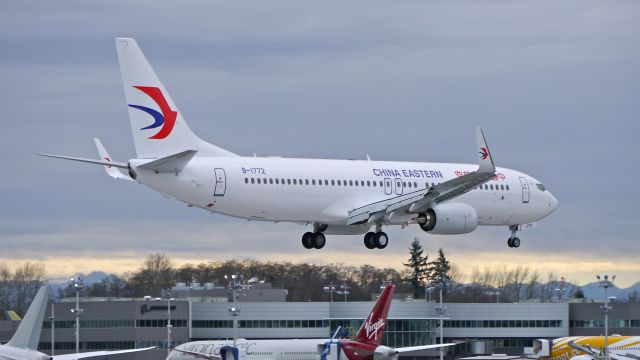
x,y
28,333
158,127
374,325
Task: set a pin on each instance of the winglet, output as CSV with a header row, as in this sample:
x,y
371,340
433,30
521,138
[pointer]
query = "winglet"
x,y
484,155
111,171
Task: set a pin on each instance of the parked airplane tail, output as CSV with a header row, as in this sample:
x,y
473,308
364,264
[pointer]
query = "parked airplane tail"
x,y
374,325
28,334
158,127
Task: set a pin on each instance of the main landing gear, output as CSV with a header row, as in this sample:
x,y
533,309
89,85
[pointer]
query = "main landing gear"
x,y
378,239
513,241
313,240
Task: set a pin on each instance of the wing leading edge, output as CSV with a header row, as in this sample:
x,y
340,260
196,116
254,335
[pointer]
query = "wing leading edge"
x,y
421,200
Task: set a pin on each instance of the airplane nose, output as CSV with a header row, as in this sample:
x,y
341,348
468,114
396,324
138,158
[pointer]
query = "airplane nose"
x,y
553,203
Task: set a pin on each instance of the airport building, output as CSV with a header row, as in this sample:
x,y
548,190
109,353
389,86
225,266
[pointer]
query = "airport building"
x,y
109,324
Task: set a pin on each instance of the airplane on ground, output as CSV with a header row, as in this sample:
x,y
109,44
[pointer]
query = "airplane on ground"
x,y
587,348
340,197
367,345
24,343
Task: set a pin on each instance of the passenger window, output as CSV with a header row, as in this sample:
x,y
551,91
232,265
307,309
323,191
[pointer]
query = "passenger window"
x,y
289,181
350,182
404,184
258,180
410,184
501,187
333,183
295,181
368,183
507,187
252,180
374,183
306,181
270,181
300,182
313,181
319,182
339,184
326,182
246,180
381,185
361,182
277,181
491,186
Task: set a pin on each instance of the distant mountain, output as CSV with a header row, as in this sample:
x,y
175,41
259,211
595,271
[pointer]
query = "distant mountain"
x,y
88,280
594,291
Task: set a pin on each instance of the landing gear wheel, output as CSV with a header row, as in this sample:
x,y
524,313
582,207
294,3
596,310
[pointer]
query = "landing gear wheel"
x,y
509,243
381,240
369,240
307,240
515,242
319,240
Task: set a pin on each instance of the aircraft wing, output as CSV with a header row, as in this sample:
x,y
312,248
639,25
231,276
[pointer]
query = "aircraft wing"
x,y
421,200
423,347
200,355
97,354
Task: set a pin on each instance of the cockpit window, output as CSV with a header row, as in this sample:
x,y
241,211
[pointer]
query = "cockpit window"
x,y
540,187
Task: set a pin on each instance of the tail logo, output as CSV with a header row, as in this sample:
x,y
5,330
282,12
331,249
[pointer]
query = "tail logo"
x,y
165,118
484,153
371,329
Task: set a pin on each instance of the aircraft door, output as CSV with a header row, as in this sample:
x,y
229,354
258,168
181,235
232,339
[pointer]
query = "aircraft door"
x,y
526,195
388,186
399,187
221,182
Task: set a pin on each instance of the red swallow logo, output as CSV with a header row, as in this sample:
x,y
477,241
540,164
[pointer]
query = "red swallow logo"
x,y
484,153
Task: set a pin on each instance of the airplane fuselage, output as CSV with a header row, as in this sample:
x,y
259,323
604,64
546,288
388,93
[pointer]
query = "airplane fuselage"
x,y
318,190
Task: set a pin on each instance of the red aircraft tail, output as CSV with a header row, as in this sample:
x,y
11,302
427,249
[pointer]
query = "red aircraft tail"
x,y
374,325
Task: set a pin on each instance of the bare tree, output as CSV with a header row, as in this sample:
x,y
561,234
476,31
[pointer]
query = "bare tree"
x,y
520,276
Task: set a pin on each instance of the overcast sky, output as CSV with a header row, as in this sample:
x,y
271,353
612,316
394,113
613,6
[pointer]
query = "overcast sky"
x,y
554,84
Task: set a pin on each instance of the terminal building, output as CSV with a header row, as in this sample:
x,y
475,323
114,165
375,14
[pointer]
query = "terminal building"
x,y
110,324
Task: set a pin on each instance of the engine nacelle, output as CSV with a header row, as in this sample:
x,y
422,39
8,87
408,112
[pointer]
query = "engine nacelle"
x,y
449,219
385,353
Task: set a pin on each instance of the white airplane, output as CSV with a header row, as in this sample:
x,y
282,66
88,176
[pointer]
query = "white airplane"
x,y
24,343
340,197
367,345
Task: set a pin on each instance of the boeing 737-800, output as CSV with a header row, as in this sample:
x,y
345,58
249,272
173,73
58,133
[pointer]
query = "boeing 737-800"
x,y
341,197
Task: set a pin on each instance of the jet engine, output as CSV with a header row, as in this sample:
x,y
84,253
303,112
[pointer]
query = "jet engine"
x,y
448,219
385,353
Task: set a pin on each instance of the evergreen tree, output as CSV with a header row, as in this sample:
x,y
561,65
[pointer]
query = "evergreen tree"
x,y
579,294
418,266
439,271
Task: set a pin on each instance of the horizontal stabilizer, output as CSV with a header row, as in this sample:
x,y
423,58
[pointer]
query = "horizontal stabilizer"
x,y
90,161
111,171
423,347
170,164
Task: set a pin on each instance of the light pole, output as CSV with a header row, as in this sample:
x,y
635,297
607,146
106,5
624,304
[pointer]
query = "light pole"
x,y
441,310
53,300
234,311
560,289
344,291
77,286
606,283
167,294
330,289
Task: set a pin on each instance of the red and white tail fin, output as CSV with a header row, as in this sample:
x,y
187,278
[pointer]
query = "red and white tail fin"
x,y
158,127
374,325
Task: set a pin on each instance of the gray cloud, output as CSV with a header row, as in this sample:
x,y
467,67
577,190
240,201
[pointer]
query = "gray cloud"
x,y
554,84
